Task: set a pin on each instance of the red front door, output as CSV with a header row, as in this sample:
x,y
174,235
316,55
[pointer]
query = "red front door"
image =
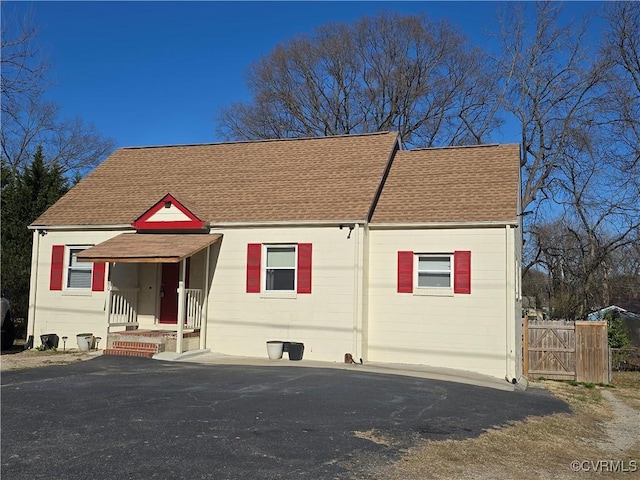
x,y
169,293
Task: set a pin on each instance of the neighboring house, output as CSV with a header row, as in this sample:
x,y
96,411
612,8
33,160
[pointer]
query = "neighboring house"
x,y
348,244
630,321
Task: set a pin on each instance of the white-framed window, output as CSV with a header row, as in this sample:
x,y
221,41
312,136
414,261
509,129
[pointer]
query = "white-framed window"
x,y
280,268
78,274
434,271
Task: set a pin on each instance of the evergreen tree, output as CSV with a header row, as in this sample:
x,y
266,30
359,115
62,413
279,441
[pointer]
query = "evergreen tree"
x,y
26,195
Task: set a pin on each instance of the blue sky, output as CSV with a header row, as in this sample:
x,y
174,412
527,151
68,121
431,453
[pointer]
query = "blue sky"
x,y
156,73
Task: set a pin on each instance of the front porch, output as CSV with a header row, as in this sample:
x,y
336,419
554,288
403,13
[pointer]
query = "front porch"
x,y
125,337
151,306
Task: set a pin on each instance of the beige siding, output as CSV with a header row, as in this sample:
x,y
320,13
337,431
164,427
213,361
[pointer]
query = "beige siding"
x,y
466,332
241,323
66,313
171,214
354,306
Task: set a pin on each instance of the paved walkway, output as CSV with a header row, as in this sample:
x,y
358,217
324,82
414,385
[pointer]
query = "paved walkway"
x,y
418,371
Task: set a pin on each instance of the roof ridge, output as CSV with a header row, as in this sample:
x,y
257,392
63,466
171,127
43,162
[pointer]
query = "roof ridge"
x,y
260,140
452,147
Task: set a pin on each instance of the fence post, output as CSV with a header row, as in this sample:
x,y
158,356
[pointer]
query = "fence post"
x,y
610,366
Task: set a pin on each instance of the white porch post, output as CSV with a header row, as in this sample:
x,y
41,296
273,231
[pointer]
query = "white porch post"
x,y
205,302
109,299
181,305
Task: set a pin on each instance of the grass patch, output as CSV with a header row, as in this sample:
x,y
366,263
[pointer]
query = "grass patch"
x,y
538,447
628,388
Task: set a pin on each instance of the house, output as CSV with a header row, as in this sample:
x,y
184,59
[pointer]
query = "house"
x,y
348,244
630,320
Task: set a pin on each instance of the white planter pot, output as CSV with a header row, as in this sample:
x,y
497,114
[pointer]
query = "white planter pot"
x,y
274,349
85,341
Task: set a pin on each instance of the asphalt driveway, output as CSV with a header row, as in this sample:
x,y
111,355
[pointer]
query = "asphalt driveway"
x,y
130,418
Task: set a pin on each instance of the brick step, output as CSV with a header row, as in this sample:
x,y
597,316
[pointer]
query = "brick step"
x,y
129,353
147,346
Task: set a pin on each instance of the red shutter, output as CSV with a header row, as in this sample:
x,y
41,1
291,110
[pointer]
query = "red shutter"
x,y
254,252
97,277
304,268
462,272
57,266
405,272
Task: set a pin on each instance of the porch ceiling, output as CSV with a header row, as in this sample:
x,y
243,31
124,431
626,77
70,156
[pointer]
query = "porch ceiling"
x,y
148,248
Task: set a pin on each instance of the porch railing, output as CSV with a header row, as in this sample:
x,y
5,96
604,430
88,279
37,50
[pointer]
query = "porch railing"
x,y
193,313
123,307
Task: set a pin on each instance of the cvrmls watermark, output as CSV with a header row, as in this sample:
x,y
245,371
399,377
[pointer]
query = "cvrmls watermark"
x,y
601,466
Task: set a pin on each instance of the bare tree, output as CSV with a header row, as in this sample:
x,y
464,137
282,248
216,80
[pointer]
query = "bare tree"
x,y
620,105
551,86
582,147
23,67
28,121
390,72
603,207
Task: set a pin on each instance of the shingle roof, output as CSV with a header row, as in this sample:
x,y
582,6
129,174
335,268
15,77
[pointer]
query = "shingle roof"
x,y
324,179
455,184
146,248
299,180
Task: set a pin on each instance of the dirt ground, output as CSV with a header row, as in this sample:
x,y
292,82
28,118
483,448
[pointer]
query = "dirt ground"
x,y
18,359
598,440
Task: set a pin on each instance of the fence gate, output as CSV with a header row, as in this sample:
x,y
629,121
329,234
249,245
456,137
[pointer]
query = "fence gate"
x,y
550,349
592,352
566,350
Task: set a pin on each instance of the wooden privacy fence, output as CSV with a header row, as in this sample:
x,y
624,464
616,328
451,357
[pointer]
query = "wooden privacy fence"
x,y
566,350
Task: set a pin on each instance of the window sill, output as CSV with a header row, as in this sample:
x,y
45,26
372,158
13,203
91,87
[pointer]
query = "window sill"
x,y
76,293
283,295
434,292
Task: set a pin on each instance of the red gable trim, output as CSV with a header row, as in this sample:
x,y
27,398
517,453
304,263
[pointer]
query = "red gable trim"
x,y
143,223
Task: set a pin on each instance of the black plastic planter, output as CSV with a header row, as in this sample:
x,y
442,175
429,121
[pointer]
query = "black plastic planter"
x,y
49,340
296,350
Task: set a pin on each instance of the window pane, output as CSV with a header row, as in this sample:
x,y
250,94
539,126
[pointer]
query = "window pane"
x,y
77,278
281,257
434,280
434,263
73,259
281,279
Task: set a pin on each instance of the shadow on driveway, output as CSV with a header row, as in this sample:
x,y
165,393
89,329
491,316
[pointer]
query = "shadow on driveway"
x,y
118,417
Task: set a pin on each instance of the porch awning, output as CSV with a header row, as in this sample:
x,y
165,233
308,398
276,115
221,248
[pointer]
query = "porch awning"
x,y
148,248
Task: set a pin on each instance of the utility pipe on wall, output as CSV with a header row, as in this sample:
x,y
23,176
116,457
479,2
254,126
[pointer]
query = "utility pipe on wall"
x,y
357,292
510,374
33,283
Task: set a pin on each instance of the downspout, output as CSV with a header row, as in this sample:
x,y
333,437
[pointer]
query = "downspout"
x,y
33,284
357,292
205,303
510,375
